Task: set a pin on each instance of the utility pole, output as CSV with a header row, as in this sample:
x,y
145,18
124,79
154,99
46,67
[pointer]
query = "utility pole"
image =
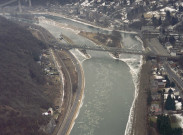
x,y
30,3
3,10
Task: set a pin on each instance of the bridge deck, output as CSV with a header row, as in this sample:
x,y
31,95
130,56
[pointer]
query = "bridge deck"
x,y
100,48
109,49
7,3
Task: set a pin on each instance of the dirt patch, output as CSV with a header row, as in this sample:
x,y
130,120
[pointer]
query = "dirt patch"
x,y
112,40
67,39
103,39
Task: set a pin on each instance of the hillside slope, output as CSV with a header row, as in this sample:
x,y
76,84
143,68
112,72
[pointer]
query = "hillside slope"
x,y
22,83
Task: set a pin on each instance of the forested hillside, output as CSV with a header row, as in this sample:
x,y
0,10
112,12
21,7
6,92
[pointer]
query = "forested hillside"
x,y
22,83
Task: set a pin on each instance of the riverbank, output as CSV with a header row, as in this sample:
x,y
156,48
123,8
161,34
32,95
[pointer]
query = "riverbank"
x,y
66,121
139,103
139,125
138,119
80,21
79,95
112,40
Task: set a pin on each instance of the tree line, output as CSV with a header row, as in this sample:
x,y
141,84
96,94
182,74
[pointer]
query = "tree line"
x,y
164,126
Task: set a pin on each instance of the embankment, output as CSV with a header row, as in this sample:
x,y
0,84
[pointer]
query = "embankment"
x,y
139,126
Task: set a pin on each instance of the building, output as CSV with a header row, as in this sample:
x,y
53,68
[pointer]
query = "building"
x,y
156,109
160,81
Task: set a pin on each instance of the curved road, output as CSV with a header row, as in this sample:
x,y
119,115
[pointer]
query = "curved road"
x,y
66,128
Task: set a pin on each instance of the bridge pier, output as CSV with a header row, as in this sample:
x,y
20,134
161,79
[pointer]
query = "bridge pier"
x,y
19,6
30,3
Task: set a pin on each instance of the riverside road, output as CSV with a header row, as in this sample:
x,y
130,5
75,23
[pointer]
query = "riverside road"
x,y
71,116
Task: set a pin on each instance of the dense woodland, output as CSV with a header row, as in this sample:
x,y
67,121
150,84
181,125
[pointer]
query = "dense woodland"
x,y
164,126
22,83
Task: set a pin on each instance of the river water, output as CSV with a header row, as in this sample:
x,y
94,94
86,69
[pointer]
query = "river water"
x,y
110,85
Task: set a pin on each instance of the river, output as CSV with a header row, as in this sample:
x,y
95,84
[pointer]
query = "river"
x,y
110,85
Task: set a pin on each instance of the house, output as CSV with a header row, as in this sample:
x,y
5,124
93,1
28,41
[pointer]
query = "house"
x,y
170,29
50,111
155,109
160,81
176,92
163,72
173,52
168,46
161,84
162,14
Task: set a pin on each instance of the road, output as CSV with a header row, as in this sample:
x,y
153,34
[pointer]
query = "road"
x,y
7,3
173,76
66,126
156,47
67,86
100,48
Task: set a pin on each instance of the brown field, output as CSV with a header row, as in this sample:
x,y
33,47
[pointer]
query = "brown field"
x,y
103,39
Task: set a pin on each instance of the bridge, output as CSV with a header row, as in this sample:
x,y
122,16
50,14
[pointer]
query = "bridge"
x,y
102,48
99,48
112,50
7,3
19,4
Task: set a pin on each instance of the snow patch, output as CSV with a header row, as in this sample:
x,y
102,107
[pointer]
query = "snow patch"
x,y
168,9
178,105
180,119
85,3
103,4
